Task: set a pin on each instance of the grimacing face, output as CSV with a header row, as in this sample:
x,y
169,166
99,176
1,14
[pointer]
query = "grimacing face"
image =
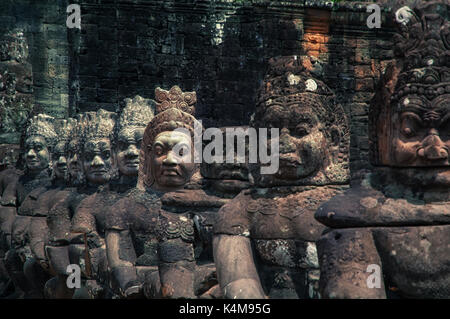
x,y
37,156
59,161
302,144
97,160
127,150
172,162
422,132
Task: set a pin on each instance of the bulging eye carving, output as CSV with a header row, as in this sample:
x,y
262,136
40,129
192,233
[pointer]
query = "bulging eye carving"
x,y
411,125
302,130
409,132
183,150
123,146
158,150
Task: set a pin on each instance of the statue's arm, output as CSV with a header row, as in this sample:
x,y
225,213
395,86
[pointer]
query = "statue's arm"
x,y
350,266
9,194
176,268
121,260
59,233
236,268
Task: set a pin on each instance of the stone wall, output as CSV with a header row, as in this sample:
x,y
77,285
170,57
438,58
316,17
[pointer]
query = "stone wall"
x,y
218,48
43,25
45,29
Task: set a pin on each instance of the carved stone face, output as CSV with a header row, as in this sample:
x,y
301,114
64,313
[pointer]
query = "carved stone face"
x,y
59,161
97,160
421,132
228,177
302,144
37,156
127,152
172,162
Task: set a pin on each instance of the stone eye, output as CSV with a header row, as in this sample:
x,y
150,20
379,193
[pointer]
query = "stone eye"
x,y
138,144
123,146
158,150
183,150
106,154
302,130
408,132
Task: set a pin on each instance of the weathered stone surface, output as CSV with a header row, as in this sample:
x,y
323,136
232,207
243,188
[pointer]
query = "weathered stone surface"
x,y
277,214
397,217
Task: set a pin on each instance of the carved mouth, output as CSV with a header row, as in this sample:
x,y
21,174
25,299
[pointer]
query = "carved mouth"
x,y
232,174
99,172
132,164
170,172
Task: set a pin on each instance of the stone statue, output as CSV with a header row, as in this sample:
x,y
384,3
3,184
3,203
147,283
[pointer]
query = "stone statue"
x,y
90,215
140,228
389,234
138,112
31,224
36,267
16,217
264,239
62,210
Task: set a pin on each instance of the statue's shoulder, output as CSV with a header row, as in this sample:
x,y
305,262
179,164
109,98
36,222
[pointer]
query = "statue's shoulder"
x,y
355,207
233,218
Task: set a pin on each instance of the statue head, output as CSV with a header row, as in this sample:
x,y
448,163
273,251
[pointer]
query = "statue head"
x,y
39,141
96,149
409,118
138,112
167,153
313,131
73,150
63,129
228,178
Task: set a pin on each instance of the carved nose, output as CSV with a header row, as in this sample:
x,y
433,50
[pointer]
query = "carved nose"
x,y
132,151
170,159
286,146
75,159
97,161
433,147
62,160
31,153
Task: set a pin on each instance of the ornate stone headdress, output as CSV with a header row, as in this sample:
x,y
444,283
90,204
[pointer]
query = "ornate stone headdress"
x,y
43,125
288,84
422,49
76,133
175,110
64,129
138,112
98,124
175,98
